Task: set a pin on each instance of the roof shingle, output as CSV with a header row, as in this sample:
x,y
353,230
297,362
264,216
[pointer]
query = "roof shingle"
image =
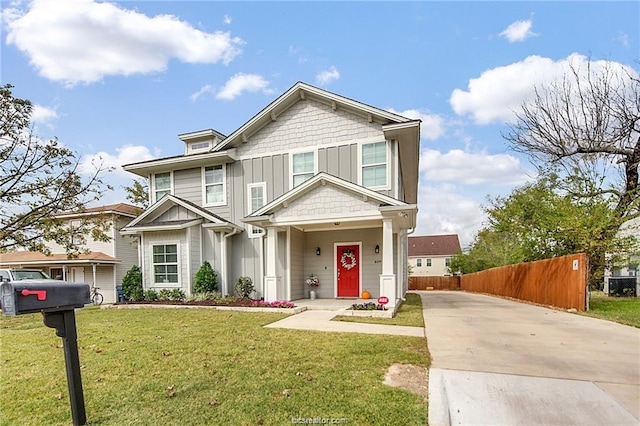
x,y
434,245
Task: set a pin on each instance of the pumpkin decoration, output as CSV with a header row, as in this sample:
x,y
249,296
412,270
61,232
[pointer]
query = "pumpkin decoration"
x,y
366,294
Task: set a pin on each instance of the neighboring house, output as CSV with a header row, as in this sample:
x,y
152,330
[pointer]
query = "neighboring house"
x,y
315,183
630,266
104,264
430,255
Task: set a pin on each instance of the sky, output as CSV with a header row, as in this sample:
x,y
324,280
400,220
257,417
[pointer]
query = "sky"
x,y
118,81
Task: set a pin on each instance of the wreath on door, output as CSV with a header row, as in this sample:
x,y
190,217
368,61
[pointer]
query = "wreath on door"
x,y
348,260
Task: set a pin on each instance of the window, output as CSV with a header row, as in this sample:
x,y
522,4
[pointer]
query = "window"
x,y
302,167
200,145
161,185
374,165
428,262
256,198
447,261
165,263
213,186
419,263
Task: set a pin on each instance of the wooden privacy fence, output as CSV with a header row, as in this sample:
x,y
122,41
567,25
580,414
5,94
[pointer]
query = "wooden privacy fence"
x,y
434,283
559,282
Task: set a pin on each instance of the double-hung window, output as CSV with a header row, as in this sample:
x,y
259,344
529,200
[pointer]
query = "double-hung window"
x,y
419,263
165,263
374,165
256,198
428,262
447,261
303,166
161,185
213,185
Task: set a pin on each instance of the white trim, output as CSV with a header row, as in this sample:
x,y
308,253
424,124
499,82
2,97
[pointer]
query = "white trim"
x,y
396,168
251,228
335,266
152,272
287,266
153,185
204,186
386,187
310,149
188,245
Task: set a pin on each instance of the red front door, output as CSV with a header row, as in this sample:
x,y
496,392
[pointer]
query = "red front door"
x,y
348,258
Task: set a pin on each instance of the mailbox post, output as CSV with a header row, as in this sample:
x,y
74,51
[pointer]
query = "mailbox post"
x,y
57,302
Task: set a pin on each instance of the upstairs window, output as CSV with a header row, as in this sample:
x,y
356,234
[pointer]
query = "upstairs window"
x,y
214,185
428,262
161,185
419,263
256,198
447,262
199,146
303,167
374,165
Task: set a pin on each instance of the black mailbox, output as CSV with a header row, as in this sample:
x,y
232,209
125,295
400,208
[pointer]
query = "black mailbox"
x,y
21,297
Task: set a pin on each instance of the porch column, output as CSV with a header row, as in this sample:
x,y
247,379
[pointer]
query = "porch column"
x,y
271,280
93,268
388,278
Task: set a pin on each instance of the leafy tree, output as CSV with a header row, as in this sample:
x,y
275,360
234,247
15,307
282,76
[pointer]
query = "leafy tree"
x,y
538,221
132,284
138,193
39,180
206,279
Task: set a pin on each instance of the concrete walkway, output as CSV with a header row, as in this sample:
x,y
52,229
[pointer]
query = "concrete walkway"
x,y
320,320
500,362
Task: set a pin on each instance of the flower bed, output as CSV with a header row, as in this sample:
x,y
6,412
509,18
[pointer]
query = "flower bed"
x,y
369,306
277,304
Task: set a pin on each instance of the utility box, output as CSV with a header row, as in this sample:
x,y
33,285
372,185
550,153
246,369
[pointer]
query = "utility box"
x,y
26,297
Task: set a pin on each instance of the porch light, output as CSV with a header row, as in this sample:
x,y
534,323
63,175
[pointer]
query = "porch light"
x,y
377,249
318,251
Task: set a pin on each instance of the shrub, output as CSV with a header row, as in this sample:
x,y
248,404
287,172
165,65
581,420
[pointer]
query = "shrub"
x,y
244,287
369,306
276,304
132,284
210,295
164,295
151,295
177,294
206,279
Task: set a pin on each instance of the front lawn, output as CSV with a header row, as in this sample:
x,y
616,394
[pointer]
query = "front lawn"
x,y
409,313
624,310
200,366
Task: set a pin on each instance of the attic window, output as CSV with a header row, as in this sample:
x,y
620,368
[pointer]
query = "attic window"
x,y
199,146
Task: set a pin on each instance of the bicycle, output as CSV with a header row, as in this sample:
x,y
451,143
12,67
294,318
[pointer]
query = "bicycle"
x,y
96,298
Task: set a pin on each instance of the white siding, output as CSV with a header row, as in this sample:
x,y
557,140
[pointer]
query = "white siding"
x,y
126,250
438,267
105,247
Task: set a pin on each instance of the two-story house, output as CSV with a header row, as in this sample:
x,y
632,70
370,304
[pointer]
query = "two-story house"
x,y
102,263
430,255
314,183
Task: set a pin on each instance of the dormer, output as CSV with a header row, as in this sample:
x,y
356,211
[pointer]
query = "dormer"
x,y
200,141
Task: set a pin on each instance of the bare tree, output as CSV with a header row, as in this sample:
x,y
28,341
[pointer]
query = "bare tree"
x,y
587,124
38,181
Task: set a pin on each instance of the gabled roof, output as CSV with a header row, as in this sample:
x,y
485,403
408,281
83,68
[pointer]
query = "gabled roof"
x,y
35,257
122,209
434,245
301,91
168,201
323,178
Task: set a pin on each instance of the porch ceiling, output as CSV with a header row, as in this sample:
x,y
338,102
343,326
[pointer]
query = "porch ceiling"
x,y
338,225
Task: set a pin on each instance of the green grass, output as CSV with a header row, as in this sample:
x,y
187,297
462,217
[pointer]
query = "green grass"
x,y
194,367
624,310
409,313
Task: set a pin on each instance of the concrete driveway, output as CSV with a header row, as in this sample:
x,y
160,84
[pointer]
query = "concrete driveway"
x,y
500,362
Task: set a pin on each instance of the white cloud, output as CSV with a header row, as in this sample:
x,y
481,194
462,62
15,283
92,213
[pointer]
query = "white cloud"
x,y
124,155
227,19
432,126
500,91
42,114
102,39
207,88
623,39
443,210
240,83
518,31
327,76
471,168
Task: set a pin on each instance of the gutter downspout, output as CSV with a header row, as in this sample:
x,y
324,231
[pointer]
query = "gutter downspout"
x,y
223,260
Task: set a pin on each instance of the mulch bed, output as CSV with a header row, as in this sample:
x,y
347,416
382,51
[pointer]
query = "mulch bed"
x,y
244,302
